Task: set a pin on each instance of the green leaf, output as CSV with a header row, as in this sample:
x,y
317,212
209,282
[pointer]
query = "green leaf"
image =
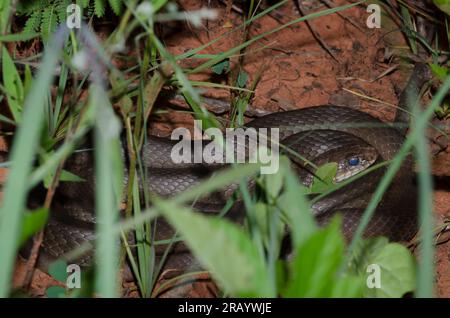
x,y
18,37
440,71
396,264
222,67
65,176
13,85
55,292
273,184
443,5
158,4
223,248
32,223
281,273
99,6
116,6
201,113
6,8
242,79
323,180
69,176
58,270
314,269
28,80
126,104
347,286
263,215
49,21
295,206
83,3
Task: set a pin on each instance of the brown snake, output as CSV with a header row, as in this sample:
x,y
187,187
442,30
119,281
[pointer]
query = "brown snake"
x,y
325,132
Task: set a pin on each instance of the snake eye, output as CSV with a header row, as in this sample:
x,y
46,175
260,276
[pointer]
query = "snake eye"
x,y
353,161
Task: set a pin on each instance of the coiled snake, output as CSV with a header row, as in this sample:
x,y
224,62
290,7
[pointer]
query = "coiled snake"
x,y
326,133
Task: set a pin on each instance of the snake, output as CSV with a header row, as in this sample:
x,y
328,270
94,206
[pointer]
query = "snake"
x,y
353,139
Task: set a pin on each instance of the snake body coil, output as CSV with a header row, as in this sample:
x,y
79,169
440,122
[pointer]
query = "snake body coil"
x,y
325,132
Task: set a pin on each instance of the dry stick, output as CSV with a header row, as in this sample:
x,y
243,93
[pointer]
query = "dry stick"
x,y
330,5
233,7
311,28
438,231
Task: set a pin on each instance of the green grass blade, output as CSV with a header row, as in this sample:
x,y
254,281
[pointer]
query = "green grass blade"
x,y
106,149
425,273
13,85
6,8
22,152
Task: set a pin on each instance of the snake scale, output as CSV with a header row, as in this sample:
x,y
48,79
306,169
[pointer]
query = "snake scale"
x,y
326,133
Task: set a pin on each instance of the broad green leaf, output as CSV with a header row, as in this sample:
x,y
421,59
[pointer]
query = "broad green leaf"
x,y
222,67
13,85
58,270
223,248
347,286
395,263
55,292
314,269
32,223
323,180
398,271
365,250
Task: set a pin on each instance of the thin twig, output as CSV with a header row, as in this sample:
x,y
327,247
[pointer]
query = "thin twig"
x,y
330,5
316,35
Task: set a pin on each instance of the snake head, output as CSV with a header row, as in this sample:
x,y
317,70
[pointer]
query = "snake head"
x,y
354,160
